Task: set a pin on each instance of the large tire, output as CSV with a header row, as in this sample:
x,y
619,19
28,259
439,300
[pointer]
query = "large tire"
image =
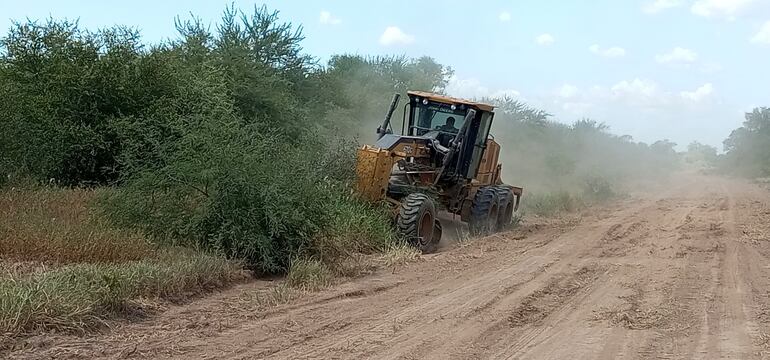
x,y
484,212
507,204
416,221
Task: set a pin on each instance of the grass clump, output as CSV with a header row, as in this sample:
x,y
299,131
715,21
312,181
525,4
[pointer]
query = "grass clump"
x,y
262,299
548,204
309,275
400,254
595,189
82,296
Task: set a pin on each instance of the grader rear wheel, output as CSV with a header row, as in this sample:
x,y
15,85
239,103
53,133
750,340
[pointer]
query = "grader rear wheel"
x,y
416,221
484,212
507,203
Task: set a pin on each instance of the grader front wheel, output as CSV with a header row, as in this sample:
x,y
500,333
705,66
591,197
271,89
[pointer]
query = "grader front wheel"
x,y
416,221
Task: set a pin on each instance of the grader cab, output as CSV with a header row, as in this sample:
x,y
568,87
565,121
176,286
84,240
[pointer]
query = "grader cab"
x,y
444,159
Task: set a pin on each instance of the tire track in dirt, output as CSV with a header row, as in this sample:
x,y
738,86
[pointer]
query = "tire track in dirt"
x,y
452,316
737,329
625,237
614,228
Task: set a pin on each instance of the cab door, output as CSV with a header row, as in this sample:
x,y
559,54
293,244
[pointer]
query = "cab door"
x,y
475,149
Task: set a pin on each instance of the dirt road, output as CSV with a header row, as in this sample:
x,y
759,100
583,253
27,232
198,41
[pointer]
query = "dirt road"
x,y
680,273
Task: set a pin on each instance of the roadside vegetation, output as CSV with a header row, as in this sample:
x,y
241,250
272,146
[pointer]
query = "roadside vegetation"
x,y
138,171
745,153
747,149
65,267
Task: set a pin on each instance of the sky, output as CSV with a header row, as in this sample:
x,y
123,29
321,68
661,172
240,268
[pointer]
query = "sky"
x,y
682,70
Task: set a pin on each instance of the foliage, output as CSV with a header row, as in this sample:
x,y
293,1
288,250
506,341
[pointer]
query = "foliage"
x,y
62,87
698,153
82,107
209,135
363,87
254,199
598,189
747,149
64,266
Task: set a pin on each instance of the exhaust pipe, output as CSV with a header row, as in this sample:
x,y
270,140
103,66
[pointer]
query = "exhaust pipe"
x,y
383,129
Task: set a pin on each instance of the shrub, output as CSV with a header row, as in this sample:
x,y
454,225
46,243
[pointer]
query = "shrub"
x,y
252,197
596,188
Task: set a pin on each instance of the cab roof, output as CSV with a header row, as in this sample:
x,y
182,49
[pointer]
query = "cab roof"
x,y
451,100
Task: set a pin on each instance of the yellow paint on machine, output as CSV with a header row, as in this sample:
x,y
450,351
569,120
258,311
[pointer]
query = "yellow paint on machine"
x,y
489,169
373,172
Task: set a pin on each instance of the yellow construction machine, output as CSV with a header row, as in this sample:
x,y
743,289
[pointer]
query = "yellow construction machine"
x,y
444,160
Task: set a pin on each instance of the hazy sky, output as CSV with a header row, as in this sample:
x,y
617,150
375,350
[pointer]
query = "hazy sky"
x,y
678,69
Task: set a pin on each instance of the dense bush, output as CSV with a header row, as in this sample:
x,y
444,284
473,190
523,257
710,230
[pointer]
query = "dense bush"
x,y
255,199
61,88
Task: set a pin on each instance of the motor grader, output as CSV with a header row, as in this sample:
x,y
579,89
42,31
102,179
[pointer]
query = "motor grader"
x,y
444,159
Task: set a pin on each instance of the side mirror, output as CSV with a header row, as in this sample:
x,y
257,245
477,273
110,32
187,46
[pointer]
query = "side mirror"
x,y
382,132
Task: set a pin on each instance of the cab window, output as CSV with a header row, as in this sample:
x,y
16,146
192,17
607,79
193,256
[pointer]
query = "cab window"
x,y
438,117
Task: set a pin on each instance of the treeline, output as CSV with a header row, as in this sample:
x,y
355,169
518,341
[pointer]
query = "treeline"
x,y
746,152
234,139
219,139
546,155
83,107
747,149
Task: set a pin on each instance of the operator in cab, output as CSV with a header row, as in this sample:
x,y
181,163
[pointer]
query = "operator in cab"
x,y
449,126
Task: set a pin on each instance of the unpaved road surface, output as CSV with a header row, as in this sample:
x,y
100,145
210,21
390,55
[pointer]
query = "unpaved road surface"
x,y
678,273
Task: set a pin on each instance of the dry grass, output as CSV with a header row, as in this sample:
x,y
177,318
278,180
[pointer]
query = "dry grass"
x,y
263,299
59,226
400,255
309,275
65,268
82,296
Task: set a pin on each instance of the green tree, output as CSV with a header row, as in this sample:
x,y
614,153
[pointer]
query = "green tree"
x,y
697,152
748,147
358,89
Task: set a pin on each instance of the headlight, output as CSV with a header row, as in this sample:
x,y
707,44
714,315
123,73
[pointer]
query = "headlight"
x,y
454,107
425,101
